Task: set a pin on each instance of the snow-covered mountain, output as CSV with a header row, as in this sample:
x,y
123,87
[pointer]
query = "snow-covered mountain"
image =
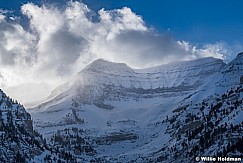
x,y
19,142
104,85
111,112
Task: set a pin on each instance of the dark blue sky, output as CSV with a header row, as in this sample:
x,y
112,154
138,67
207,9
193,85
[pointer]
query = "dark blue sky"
x,y
206,21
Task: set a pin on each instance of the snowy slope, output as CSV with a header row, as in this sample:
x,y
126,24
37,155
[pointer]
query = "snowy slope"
x,y
227,77
122,113
114,87
19,142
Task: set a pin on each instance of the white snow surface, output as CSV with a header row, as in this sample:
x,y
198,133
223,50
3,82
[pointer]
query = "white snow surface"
x,y
112,97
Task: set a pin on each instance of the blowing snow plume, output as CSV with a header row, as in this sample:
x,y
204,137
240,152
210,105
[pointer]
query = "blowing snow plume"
x,y
58,42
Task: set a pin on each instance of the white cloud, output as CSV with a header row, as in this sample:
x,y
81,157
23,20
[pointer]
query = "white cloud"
x,y
216,50
60,41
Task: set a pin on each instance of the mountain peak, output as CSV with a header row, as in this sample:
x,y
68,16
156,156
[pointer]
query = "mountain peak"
x,y
236,63
101,65
240,54
100,60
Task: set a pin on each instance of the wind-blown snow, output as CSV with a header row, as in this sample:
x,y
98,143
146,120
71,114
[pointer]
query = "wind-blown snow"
x,y
108,98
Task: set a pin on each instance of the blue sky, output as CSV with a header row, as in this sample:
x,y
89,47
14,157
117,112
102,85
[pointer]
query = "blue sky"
x,y
196,21
199,22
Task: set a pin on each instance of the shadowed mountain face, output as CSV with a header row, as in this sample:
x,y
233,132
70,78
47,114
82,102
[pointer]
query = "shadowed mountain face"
x,y
111,112
19,142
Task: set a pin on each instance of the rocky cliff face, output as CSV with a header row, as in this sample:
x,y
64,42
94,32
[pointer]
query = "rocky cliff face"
x,y
19,142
